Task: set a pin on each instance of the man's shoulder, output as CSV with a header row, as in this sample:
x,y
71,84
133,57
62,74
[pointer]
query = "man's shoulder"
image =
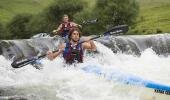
x,y
73,23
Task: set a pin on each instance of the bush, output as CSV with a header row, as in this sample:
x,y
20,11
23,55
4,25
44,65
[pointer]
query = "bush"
x,y
116,12
1,31
57,10
38,24
110,13
158,30
17,27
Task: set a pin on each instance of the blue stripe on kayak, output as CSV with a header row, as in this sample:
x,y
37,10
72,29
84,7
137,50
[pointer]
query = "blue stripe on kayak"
x,y
125,78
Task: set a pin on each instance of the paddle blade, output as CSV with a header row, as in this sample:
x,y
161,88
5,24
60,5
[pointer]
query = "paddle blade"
x,y
90,21
117,30
93,21
22,62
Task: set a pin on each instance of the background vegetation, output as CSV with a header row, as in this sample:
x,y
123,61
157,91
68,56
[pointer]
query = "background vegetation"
x,y
24,18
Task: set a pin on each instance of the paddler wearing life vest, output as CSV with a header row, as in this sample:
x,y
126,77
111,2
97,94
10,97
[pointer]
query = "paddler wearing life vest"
x,y
65,27
73,49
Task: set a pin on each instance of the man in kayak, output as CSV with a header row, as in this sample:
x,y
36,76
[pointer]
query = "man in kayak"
x,y
73,49
64,27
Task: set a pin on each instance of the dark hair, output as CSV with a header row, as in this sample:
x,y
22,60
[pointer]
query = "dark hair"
x,y
65,15
72,30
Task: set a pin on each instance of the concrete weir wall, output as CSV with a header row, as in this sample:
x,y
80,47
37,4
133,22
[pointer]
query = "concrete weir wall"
x,y
129,44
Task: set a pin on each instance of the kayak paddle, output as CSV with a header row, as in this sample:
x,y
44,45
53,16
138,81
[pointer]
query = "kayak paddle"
x,y
114,31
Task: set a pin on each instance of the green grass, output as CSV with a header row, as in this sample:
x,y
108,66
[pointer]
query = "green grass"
x,y
154,17
10,8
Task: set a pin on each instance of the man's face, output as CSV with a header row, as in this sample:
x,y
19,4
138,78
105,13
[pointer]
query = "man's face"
x,y
65,19
75,36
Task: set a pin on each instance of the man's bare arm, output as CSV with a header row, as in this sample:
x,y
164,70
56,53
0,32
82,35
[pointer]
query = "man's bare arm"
x,y
89,45
56,32
75,25
51,55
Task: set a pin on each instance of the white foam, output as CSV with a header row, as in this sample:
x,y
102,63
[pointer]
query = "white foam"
x,y
70,83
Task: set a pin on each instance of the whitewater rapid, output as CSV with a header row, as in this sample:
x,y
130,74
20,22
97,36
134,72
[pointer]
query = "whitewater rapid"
x,y
55,82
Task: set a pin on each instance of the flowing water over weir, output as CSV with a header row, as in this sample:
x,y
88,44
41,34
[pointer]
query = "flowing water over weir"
x,y
135,44
143,56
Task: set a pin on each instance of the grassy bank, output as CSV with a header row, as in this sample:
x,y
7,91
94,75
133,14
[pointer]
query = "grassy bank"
x,y
154,17
10,8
